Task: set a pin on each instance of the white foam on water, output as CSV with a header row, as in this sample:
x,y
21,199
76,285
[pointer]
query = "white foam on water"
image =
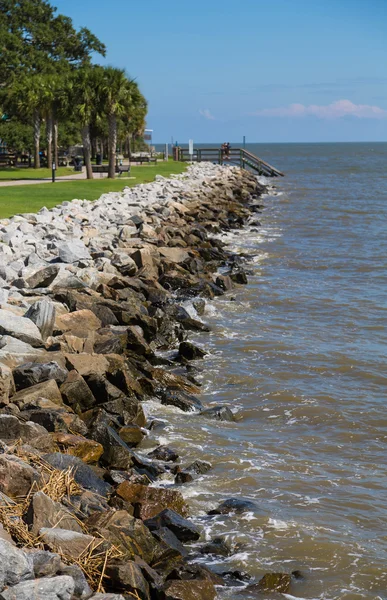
x,y
277,524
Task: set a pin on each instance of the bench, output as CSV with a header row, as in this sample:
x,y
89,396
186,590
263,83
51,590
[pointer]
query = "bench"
x,y
105,169
147,159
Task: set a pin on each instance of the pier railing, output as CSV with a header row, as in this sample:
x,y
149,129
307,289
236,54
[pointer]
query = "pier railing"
x,y
236,156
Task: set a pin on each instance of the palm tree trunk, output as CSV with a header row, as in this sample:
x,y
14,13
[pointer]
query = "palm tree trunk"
x,y
55,132
101,145
112,145
49,140
36,140
129,148
87,150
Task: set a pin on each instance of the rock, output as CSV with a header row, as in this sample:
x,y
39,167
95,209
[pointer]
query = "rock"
x,y
45,563
199,467
89,451
145,261
150,501
82,589
7,385
70,543
131,434
83,320
76,393
47,588
57,420
124,263
47,389
16,476
239,277
234,505
11,428
100,596
87,364
71,252
42,313
43,277
126,533
45,512
20,327
183,477
164,453
128,577
182,400
184,530
189,351
272,582
29,374
217,546
116,453
174,255
15,565
190,590
219,413
83,474
199,305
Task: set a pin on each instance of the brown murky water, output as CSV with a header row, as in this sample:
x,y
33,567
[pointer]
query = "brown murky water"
x,y
300,354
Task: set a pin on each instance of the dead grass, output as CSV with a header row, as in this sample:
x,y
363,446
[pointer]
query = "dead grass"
x,y
58,485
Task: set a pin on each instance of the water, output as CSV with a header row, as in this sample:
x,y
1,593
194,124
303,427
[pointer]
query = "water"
x,y
300,354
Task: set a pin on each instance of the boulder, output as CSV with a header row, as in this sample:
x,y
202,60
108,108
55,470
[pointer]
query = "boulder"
x,y
89,451
15,565
174,255
73,251
45,512
83,320
82,589
102,596
234,506
70,543
189,351
218,546
184,530
76,393
83,474
43,277
163,534
16,476
218,413
11,428
46,588
190,590
7,385
127,577
20,328
131,434
45,563
272,582
29,374
47,389
150,501
42,313
164,453
87,364
180,399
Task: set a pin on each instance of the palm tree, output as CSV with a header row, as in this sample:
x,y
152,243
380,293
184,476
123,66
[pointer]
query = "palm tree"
x,y
24,99
114,100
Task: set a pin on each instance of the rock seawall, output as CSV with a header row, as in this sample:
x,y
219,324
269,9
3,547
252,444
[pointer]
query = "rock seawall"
x,y
90,294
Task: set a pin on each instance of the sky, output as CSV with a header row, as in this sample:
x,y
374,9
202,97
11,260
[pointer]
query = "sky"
x,y
270,70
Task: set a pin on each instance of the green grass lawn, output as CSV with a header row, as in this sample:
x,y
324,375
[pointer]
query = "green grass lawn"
x,y
11,173
30,198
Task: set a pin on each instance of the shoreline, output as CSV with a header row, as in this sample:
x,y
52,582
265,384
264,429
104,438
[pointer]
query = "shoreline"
x,y
90,315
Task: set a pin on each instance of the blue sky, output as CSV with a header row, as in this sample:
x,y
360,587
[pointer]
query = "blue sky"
x,y
272,70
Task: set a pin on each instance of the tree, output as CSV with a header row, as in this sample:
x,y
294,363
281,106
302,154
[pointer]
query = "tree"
x,y
114,93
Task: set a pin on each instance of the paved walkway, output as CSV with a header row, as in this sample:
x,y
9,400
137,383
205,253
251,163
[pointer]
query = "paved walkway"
x,y
46,180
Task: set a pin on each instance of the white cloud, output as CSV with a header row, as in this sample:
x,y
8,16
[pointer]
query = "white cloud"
x,y
205,112
335,110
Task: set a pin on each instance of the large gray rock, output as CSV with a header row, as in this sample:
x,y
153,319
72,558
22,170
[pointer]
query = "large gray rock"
x,y
11,428
82,589
15,565
100,596
31,373
20,327
42,313
16,476
73,251
7,386
43,277
47,588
